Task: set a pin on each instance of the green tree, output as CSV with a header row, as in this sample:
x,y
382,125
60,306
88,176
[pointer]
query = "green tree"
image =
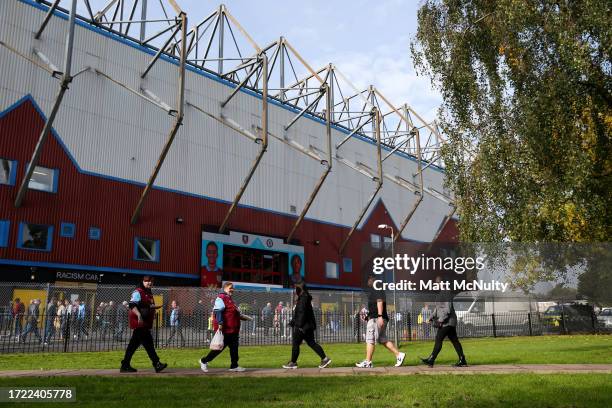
x,y
560,292
527,99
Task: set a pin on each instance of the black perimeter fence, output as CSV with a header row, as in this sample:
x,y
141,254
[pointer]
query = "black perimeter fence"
x,y
101,324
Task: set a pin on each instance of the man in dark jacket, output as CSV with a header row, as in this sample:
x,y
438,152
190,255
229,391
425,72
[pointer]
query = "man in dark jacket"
x,y
444,319
121,320
304,326
49,319
32,325
267,317
199,314
18,311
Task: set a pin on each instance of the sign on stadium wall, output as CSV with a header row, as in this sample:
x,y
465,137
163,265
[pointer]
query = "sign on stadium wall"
x,y
212,249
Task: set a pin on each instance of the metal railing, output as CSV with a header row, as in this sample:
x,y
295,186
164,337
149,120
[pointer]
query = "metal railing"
x,y
101,323
71,333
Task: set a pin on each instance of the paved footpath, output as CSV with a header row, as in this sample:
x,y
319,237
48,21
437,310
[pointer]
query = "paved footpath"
x,y
332,371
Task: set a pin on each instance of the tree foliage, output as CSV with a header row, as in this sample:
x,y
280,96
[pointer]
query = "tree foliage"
x,y
527,96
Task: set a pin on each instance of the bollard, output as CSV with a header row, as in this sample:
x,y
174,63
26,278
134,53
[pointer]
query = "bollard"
x,y
530,326
67,332
563,328
156,332
409,316
494,326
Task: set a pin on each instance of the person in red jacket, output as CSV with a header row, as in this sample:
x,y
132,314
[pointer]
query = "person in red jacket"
x,y
227,319
141,315
18,311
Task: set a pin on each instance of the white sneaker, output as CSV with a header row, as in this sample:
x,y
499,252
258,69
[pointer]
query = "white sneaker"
x,y
203,366
400,359
364,364
237,369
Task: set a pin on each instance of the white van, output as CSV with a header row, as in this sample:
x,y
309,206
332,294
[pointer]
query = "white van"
x,y
477,311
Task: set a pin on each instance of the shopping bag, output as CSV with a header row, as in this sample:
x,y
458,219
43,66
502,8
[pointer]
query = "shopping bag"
x,y
217,341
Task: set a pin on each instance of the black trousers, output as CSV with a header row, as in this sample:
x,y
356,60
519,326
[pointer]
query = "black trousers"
x,y
231,341
140,336
451,333
298,337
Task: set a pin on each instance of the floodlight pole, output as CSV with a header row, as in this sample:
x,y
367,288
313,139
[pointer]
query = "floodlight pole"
x,y
264,142
65,81
379,180
384,226
328,162
177,123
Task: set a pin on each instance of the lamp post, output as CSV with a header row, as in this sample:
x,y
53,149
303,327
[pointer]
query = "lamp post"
x,y
385,226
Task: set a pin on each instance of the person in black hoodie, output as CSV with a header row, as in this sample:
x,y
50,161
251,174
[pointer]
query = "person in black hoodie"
x,y
304,325
444,319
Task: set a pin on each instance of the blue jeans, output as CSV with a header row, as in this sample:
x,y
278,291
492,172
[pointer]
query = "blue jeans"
x,y
49,330
31,327
18,326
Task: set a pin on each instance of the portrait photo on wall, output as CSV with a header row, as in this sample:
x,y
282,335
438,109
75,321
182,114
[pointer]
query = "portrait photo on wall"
x,y
211,272
296,267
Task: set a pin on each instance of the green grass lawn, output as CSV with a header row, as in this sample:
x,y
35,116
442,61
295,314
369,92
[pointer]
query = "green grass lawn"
x,y
476,390
510,350
525,390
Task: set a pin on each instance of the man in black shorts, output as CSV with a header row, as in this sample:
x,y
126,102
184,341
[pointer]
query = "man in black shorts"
x,y
376,329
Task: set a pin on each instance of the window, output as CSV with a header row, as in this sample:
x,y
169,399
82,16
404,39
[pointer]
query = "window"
x,y
331,270
375,240
146,249
4,232
387,242
67,230
35,237
347,265
95,233
8,171
44,179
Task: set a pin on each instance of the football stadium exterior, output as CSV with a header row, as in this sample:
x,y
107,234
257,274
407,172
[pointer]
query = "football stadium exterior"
x,y
156,163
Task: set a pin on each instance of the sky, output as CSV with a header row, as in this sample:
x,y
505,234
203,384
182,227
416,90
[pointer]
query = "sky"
x,y
369,41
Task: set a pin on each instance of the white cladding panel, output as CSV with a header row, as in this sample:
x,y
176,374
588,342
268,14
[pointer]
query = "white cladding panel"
x,y
113,132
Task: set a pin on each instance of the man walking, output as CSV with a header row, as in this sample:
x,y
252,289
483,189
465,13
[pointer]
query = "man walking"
x,y
121,320
267,315
32,325
175,324
376,329
444,319
80,320
49,320
18,312
141,316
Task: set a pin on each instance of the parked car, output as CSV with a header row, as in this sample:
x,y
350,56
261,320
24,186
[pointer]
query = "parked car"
x,y
569,317
605,318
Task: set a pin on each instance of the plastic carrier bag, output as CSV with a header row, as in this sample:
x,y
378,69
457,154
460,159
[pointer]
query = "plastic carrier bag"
x,y
217,341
